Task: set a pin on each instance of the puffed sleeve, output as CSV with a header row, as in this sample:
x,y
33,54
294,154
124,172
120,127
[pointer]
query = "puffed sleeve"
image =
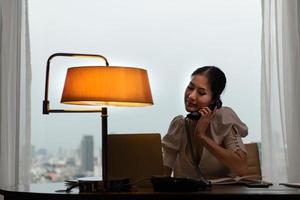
x,y
172,140
229,129
233,141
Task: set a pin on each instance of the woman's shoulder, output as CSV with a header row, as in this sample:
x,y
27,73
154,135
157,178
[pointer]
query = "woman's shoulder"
x,y
179,119
176,123
226,118
227,113
172,139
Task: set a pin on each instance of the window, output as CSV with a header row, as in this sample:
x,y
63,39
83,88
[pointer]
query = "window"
x,y
168,38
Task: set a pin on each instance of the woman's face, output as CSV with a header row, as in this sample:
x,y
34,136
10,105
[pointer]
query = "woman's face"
x,y
197,94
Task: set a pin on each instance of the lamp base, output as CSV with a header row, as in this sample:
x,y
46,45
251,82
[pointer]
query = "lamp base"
x,y
94,186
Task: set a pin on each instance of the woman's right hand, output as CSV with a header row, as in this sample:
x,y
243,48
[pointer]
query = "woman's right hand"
x,y
203,122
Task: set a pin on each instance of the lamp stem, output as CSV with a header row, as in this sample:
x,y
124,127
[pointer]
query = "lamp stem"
x,y
104,147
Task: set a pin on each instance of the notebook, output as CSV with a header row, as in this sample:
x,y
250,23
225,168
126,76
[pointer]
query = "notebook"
x,y
135,156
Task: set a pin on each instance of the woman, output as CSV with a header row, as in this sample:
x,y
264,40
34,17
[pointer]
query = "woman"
x,y
211,145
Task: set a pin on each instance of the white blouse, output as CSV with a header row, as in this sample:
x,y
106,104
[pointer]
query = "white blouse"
x,y
226,129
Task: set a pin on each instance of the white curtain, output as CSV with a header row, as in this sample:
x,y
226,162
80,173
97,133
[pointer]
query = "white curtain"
x,y
15,94
280,91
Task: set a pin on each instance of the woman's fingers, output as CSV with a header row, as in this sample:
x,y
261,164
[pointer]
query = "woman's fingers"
x,y
206,111
204,121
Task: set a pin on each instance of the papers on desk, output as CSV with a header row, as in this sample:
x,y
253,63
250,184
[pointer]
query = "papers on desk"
x,y
293,185
237,179
249,181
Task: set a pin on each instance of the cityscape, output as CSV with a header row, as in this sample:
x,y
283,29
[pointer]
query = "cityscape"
x,y
66,164
69,164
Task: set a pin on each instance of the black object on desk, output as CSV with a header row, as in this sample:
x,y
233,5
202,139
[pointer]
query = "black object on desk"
x,y
257,185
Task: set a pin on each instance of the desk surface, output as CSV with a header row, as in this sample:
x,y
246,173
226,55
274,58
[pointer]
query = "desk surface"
x,y
47,192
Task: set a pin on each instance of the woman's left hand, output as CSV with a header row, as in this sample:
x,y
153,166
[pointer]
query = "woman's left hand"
x,y
203,122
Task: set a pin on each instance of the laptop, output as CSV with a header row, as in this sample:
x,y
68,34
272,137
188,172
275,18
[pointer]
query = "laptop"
x,y
134,156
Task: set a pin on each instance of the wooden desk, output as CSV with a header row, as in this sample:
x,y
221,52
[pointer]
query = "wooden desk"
x,y
47,192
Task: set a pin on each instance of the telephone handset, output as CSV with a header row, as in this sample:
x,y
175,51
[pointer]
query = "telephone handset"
x,y
196,115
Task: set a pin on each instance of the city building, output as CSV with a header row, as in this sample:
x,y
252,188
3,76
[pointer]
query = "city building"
x,y
87,153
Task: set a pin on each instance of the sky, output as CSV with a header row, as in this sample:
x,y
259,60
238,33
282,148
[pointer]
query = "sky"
x,y
169,39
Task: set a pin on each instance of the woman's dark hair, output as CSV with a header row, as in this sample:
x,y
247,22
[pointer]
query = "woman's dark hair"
x,y
216,79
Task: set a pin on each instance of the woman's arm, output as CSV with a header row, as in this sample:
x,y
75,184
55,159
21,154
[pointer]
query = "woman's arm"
x,y
167,171
235,160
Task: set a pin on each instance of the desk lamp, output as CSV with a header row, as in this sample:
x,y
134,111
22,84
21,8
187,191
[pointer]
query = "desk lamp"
x,y
101,86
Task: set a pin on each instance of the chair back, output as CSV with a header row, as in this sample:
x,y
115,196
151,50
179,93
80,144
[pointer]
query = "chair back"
x,y
253,159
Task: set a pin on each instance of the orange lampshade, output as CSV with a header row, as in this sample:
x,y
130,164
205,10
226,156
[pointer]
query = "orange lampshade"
x,y
102,85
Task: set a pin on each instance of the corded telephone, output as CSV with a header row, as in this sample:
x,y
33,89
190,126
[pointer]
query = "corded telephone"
x,y
196,115
172,184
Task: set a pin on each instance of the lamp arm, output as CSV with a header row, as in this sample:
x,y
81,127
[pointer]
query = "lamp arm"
x,y
75,111
46,106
